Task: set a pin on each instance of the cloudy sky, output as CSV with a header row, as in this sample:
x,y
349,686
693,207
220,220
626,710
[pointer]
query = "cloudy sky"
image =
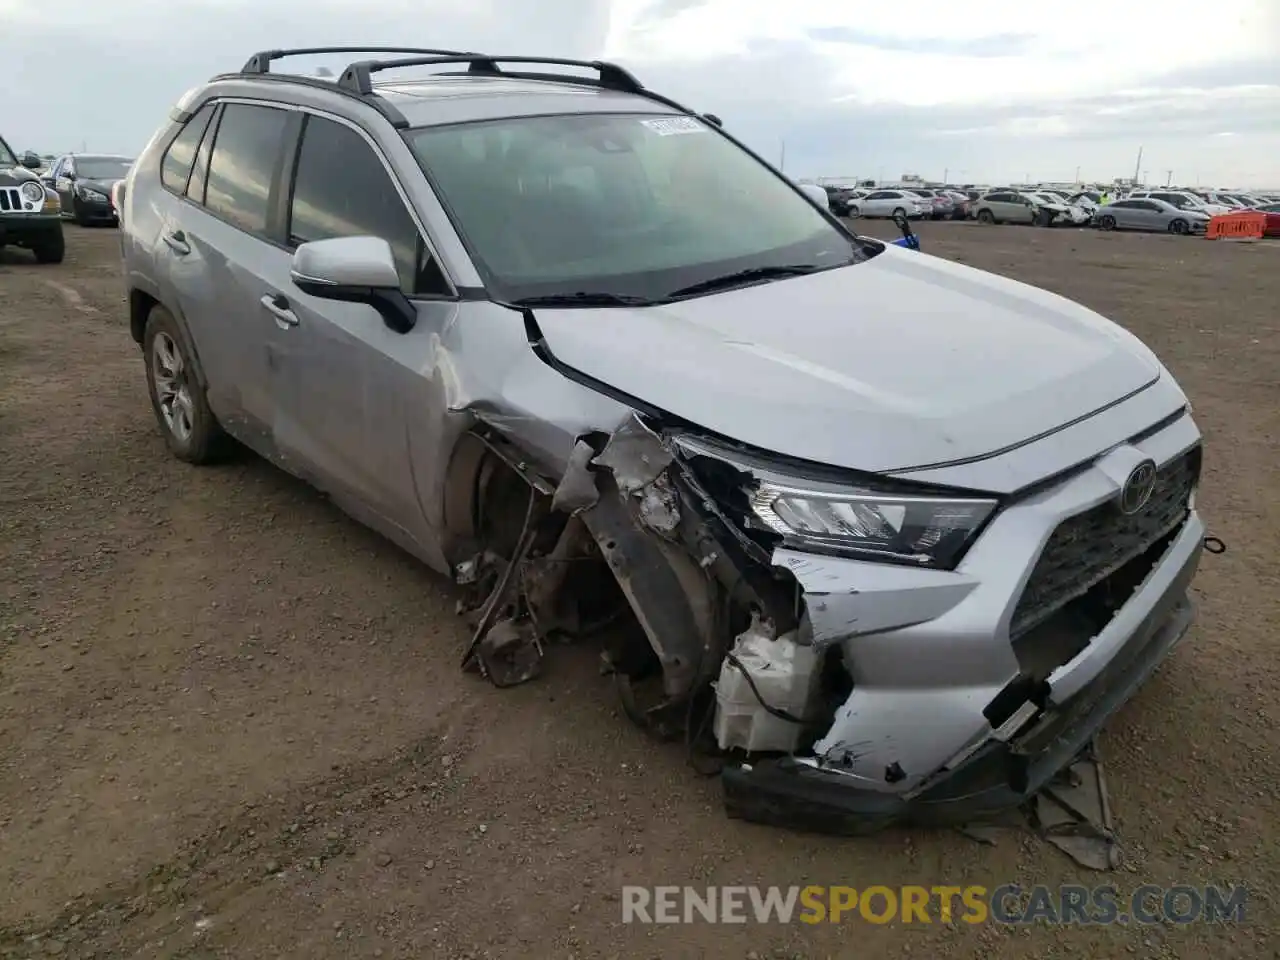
x,y
978,90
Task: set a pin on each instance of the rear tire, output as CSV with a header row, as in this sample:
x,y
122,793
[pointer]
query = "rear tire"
x,y
174,382
1107,223
986,216
854,211
51,248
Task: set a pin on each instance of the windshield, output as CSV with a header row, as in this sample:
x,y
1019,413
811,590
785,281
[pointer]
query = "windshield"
x,y
7,159
638,206
102,168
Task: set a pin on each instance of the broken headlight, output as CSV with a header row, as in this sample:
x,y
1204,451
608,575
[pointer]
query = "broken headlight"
x,y
836,514
931,531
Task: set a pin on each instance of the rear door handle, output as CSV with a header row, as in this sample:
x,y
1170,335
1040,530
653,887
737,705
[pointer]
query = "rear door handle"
x,y
278,307
177,242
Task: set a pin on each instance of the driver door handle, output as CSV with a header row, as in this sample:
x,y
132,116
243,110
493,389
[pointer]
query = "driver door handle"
x,y
278,307
177,242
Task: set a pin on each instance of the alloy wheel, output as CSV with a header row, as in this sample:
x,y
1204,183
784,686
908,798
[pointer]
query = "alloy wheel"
x,y
173,391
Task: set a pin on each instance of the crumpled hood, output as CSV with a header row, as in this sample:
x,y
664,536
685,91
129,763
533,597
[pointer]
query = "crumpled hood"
x,y
904,361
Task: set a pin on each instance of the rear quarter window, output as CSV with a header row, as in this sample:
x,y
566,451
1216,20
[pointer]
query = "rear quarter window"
x,y
175,168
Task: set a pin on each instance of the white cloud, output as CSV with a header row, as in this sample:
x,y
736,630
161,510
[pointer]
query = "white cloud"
x,y
1092,47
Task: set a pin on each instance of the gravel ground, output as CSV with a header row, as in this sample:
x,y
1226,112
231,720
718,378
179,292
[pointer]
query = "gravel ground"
x,y
232,723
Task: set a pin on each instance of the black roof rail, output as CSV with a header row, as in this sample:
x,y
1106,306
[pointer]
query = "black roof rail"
x,y
261,61
358,77
384,107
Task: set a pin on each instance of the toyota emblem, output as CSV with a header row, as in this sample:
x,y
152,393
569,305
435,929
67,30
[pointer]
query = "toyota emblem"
x,y
1137,488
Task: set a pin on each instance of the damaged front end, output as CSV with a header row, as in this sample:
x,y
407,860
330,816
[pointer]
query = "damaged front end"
x,y
818,642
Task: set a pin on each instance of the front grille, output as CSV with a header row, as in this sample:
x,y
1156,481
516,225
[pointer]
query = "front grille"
x,y
10,200
1086,549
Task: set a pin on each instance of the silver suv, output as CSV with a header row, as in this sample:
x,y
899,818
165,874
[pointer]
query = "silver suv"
x,y
889,535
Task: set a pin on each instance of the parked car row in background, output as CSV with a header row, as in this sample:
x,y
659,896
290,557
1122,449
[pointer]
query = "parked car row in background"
x,y
1171,210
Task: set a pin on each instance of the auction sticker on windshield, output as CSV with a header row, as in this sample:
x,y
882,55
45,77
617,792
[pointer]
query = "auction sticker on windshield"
x,y
670,126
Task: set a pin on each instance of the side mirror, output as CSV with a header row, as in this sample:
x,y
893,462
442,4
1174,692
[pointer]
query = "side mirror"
x,y
31,162
712,118
354,270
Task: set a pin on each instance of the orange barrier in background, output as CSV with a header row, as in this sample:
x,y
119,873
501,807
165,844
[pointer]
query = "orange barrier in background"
x,y
1237,226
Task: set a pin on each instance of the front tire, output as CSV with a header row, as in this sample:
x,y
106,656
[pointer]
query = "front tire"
x,y
190,429
1178,226
1107,223
854,212
77,214
986,216
51,248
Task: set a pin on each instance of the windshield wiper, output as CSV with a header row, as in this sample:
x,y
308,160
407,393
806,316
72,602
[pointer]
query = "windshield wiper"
x,y
584,298
743,277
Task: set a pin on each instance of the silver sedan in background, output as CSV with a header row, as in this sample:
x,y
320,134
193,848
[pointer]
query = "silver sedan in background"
x,y
1149,213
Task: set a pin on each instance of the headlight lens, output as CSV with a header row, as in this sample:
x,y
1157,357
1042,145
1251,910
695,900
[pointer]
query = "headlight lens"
x,y
928,531
32,192
826,514
88,194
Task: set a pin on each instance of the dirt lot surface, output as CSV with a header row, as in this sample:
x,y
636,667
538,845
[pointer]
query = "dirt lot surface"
x,y
232,722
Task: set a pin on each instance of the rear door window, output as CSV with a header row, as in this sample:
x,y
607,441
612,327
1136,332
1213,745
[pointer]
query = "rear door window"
x,y
246,150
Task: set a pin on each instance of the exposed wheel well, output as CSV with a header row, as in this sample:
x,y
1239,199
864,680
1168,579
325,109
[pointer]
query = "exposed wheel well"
x,y
140,306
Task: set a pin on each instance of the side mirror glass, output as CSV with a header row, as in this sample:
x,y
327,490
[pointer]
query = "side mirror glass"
x,y
354,270
31,162
712,118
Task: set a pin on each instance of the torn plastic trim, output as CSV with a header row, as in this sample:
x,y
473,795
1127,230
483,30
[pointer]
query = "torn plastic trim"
x,y
668,556
803,793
